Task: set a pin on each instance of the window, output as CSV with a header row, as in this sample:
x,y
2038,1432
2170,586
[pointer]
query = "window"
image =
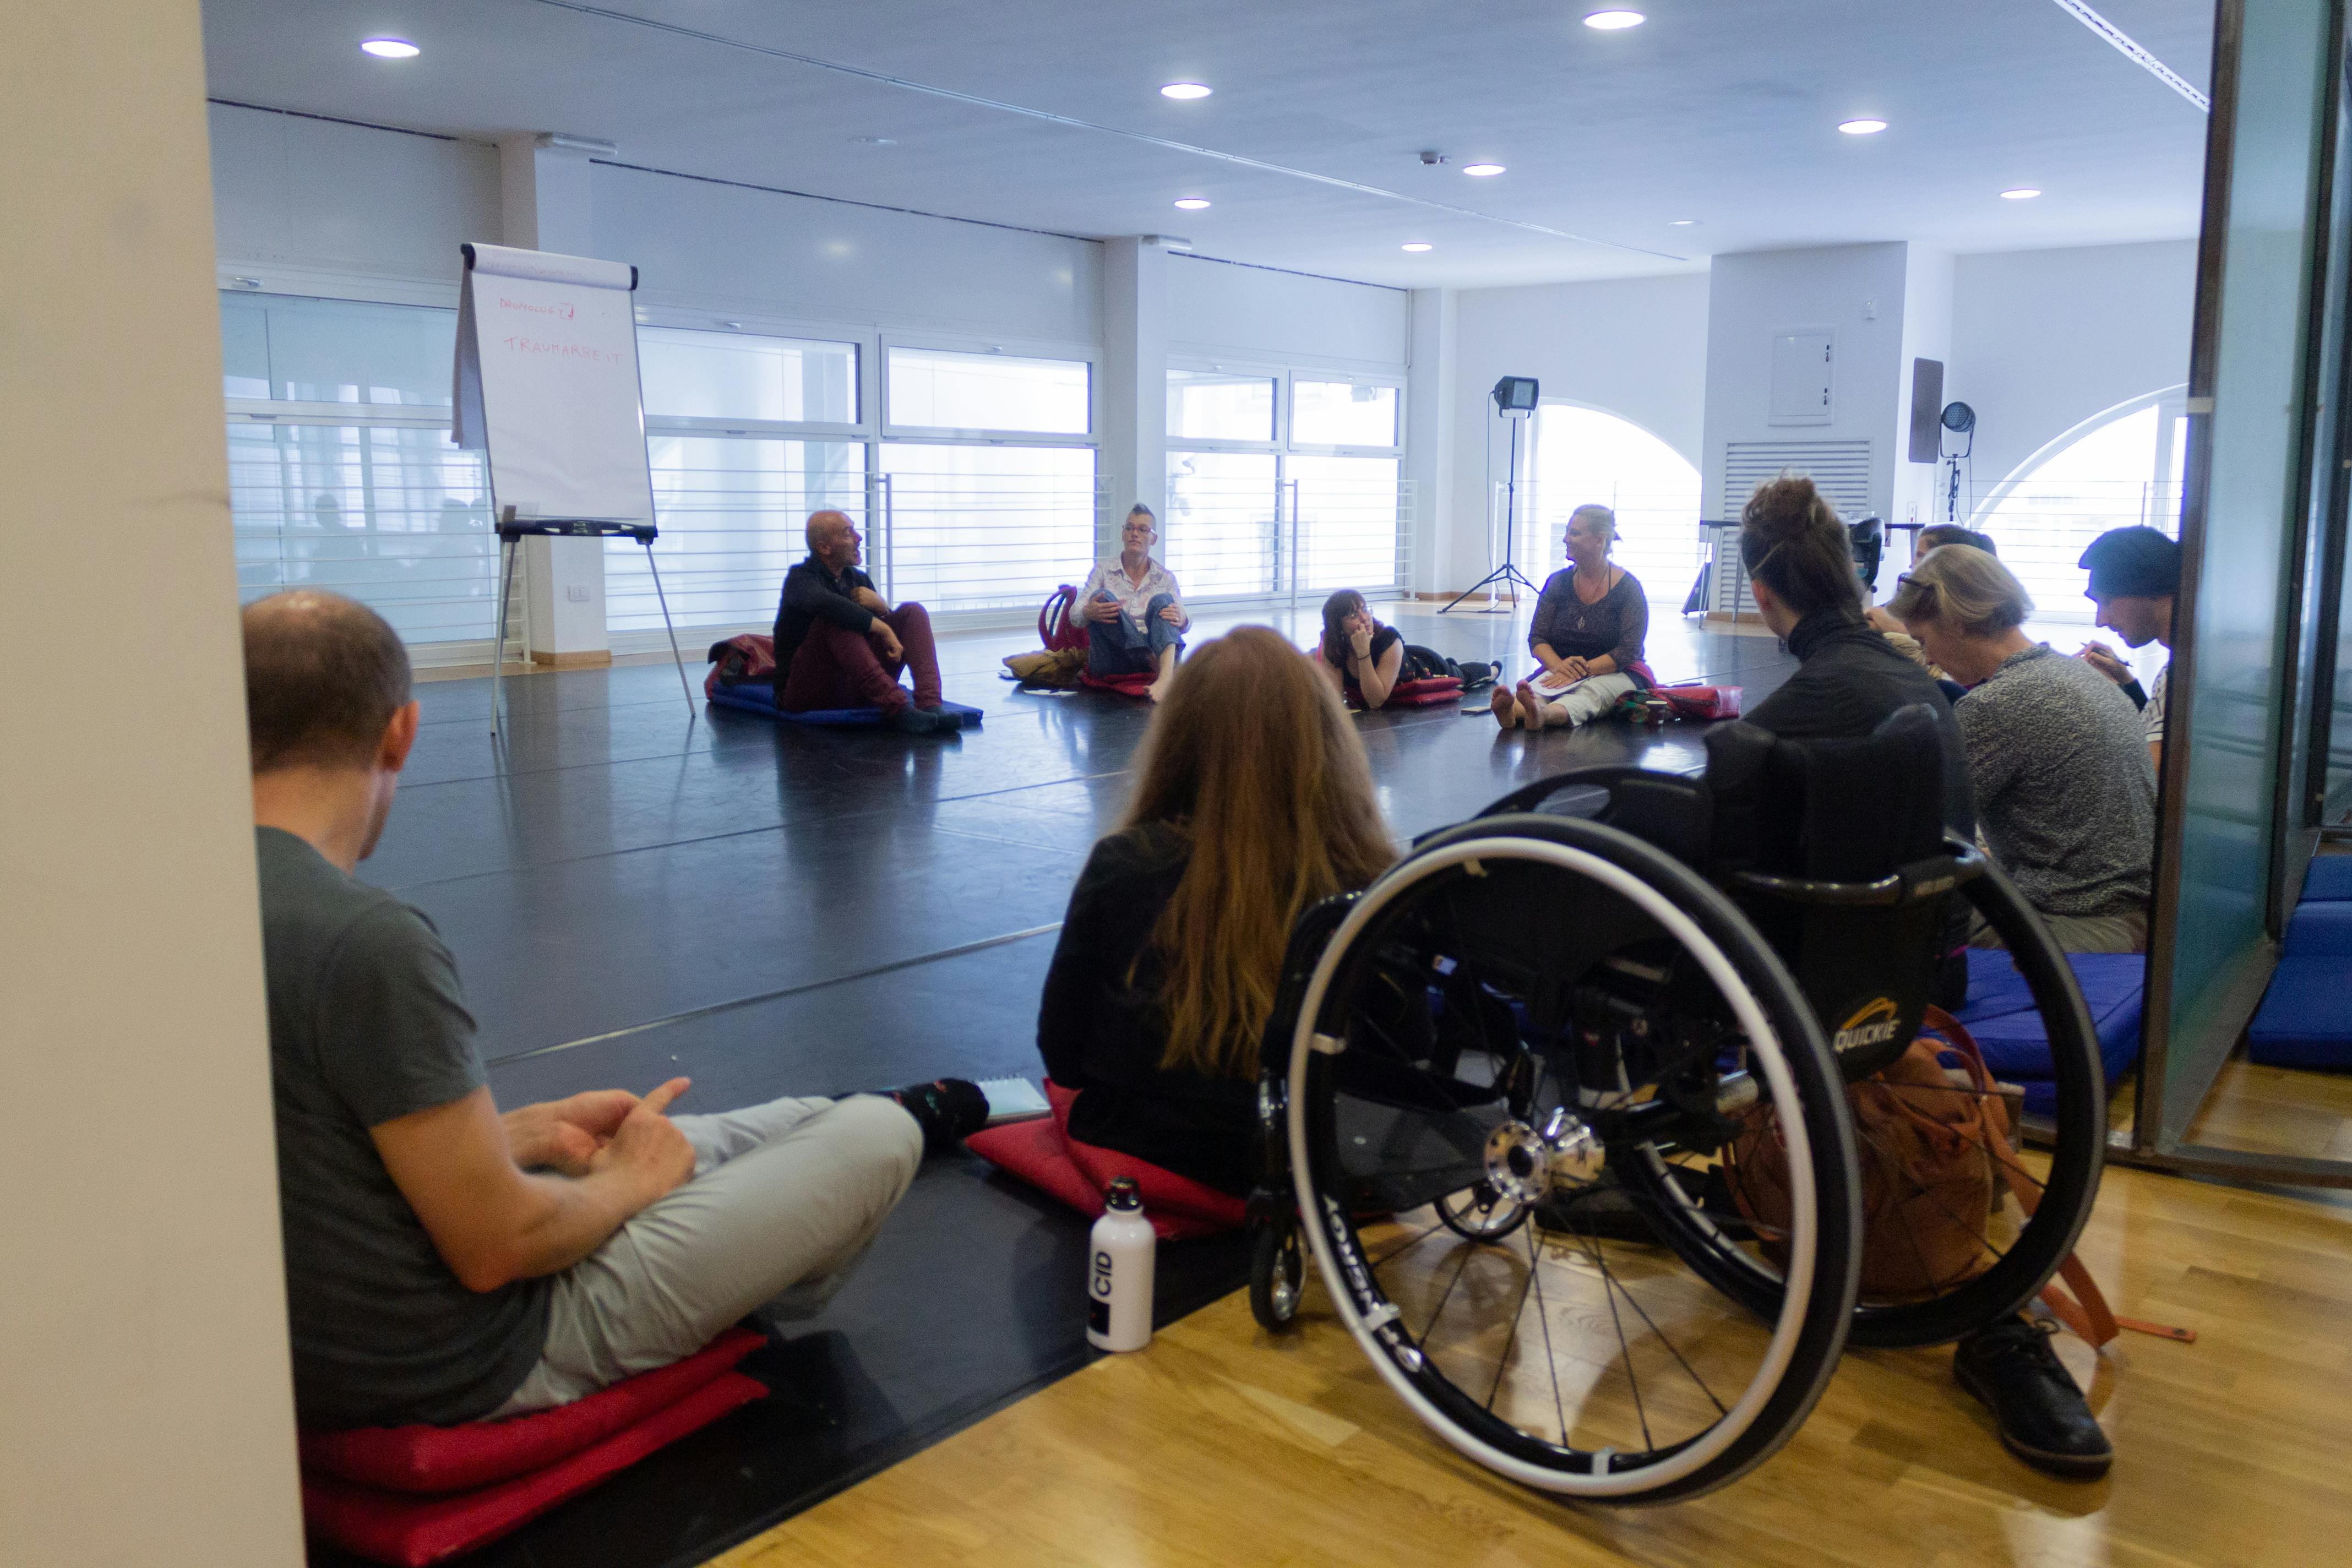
x,y
2124,469
1257,513
1212,405
732,376
342,473
965,527
1342,414
1580,455
933,389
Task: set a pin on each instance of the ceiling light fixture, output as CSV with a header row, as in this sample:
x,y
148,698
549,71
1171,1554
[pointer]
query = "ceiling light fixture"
x,y
1183,91
1861,127
1482,171
1614,21
2022,194
1683,223
1418,245
390,48
874,140
1193,203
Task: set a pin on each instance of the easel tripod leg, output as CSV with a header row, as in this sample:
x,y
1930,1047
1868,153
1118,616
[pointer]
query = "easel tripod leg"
x,y
671,626
499,647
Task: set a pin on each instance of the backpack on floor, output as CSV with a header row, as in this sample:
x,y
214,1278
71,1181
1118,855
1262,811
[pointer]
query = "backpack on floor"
x,y
1058,622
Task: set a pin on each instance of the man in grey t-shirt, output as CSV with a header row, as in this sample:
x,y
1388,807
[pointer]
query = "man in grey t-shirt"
x,y
443,1262
2135,575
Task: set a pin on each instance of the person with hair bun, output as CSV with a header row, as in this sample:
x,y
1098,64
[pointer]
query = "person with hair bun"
x,y
1851,678
2056,754
1252,800
1590,621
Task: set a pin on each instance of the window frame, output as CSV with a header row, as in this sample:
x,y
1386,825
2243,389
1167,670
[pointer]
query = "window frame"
x,y
985,348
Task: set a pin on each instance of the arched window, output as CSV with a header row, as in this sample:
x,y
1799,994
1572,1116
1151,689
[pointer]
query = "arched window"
x,y
2119,468
1581,454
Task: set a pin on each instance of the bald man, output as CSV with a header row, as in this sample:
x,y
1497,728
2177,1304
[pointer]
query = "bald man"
x,y
839,645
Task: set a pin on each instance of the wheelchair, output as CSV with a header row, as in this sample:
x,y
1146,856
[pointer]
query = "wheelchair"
x,y
1649,992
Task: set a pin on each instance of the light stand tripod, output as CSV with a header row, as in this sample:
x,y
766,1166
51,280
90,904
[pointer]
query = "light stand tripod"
x,y
1515,400
1960,419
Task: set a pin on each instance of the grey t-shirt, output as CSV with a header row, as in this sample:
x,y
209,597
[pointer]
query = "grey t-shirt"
x,y
367,1024
2064,791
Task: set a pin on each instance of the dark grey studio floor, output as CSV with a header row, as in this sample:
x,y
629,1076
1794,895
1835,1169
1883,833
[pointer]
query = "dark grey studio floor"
x,y
635,890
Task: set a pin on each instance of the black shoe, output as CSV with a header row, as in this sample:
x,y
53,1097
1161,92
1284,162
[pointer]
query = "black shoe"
x,y
1601,1210
2041,1414
914,721
947,1110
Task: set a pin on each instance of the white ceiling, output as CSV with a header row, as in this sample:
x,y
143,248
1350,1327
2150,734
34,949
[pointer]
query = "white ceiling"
x,y
1723,110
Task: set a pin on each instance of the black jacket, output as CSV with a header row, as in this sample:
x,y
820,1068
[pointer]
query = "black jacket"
x,y
811,594
1102,1035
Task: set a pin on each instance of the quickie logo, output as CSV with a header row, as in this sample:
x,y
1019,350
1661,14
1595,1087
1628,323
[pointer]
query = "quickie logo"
x,y
1873,1026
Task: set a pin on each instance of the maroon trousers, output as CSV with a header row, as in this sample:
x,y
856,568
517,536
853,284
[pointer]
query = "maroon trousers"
x,y
837,667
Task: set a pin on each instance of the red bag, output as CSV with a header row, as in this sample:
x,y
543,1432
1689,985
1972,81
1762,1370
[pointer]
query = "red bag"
x,y
1701,701
1057,623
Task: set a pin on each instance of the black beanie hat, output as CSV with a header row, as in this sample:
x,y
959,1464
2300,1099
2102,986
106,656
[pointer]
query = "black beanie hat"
x,y
2135,562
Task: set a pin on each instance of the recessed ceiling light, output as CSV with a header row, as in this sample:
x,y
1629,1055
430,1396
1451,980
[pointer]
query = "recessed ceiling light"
x,y
1614,21
1861,127
1482,171
1193,203
874,140
1683,223
1418,245
391,49
1185,90
2022,194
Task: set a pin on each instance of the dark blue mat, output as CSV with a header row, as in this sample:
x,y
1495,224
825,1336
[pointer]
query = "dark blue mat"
x,y
2007,1028
2330,879
757,697
2303,1021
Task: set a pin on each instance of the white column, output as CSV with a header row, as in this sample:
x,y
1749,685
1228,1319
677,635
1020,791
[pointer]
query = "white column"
x,y
1431,394
544,200
1135,381
146,1406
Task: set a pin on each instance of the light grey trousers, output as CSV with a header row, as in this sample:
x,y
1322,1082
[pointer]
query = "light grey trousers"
x,y
785,1197
1591,697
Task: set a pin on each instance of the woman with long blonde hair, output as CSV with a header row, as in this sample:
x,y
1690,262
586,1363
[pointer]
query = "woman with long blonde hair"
x,y
1252,800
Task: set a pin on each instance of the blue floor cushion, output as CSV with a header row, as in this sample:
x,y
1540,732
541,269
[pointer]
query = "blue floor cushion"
x,y
2330,879
2007,1027
759,697
2305,1019
2322,930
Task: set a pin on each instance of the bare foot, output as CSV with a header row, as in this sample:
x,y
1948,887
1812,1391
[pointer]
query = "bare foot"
x,y
1507,712
1531,707
1158,689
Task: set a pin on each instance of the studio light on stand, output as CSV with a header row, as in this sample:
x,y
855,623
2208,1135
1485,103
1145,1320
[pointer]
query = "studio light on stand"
x,y
1960,420
1514,402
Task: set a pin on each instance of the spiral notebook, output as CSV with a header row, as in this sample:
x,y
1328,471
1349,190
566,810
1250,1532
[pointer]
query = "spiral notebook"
x,y
1013,1099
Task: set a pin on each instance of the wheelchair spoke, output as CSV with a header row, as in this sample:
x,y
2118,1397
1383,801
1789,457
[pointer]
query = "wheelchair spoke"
x,y
1467,1253
1415,1239
1503,1362
1611,1289
1543,1316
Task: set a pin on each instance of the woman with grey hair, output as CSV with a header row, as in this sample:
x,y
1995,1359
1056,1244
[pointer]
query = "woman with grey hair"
x,y
2065,792
1590,621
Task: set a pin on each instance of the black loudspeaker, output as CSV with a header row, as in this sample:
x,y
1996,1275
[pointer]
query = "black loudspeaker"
x,y
1926,404
1515,394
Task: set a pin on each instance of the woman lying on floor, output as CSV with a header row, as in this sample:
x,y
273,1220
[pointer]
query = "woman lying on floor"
x,y
1591,623
1252,800
1365,660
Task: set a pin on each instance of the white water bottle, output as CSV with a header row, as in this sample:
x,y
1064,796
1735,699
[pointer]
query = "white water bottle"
x,y
1118,1272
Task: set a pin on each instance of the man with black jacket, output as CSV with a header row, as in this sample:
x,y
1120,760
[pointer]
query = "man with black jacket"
x,y
840,645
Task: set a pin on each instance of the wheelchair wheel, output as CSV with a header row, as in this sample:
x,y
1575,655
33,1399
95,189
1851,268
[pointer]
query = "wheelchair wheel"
x,y
1643,1002
2018,1252
1277,1274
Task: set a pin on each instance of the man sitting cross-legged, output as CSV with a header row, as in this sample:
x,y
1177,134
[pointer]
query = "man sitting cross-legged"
x,y
445,1263
1134,611
839,645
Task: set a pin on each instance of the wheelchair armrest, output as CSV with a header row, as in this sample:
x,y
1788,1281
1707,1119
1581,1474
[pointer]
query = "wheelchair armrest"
x,y
1926,878
1673,812
1607,776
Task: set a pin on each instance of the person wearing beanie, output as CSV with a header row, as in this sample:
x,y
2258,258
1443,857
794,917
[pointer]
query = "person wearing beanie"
x,y
2135,573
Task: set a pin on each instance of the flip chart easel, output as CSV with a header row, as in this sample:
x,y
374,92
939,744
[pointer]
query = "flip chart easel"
x,y
546,387
511,534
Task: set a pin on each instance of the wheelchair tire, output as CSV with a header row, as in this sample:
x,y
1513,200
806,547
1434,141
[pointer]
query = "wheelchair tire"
x,y
1277,1275
1793,1353
2078,1152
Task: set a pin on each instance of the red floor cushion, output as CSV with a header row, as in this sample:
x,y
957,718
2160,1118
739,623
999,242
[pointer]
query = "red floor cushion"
x,y
1424,692
413,1495
1135,685
1041,1153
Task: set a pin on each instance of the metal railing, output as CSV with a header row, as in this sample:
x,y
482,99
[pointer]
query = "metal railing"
x,y
1252,536
2042,529
1658,534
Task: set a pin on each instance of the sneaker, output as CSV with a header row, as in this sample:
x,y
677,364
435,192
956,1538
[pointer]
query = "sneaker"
x,y
914,721
2041,1414
947,1110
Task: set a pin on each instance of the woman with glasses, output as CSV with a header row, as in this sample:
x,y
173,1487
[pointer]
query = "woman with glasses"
x,y
1133,610
1590,621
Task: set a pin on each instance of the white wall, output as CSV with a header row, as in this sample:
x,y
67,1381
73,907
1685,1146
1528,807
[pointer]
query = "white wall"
x,y
1635,347
146,1408
1256,312
2042,340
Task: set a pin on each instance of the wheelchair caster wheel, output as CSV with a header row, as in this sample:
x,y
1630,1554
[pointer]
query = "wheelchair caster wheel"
x,y
1277,1276
1480,1213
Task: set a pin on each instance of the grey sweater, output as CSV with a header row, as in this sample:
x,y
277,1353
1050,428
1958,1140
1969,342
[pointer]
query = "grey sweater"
x,y
2063,787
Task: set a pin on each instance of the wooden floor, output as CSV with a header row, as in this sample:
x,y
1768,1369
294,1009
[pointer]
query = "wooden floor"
x,y
1222,1444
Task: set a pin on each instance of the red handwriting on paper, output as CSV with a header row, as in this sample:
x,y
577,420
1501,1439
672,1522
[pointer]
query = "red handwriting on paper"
x,y
528,346
559,308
